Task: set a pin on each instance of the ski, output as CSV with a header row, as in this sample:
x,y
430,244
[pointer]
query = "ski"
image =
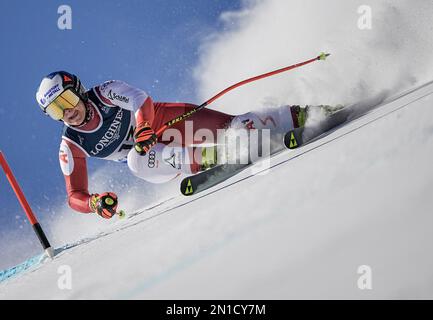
x,y
204,180
293,139
201,181
301,136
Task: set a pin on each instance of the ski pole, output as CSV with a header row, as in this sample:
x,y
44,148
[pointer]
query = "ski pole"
x,y
188,114
21,198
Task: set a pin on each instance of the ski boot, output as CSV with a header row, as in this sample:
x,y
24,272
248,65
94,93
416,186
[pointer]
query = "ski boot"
x,y
208,157
328,110
300,114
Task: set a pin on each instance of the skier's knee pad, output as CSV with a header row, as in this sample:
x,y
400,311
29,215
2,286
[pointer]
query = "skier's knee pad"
x,y
161,164
276,119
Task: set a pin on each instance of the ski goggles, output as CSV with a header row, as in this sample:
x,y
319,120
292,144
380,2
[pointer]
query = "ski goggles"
x,y
66,100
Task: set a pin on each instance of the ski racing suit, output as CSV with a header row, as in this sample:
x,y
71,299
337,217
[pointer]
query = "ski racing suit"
x,y
115,109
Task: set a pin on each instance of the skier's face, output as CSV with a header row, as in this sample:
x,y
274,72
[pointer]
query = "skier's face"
x,y
75,116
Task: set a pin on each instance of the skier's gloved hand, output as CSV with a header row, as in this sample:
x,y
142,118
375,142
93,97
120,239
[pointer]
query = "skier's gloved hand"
x,y
104,204
144,138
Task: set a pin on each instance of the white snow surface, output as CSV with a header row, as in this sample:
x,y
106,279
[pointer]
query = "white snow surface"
x,y
360,196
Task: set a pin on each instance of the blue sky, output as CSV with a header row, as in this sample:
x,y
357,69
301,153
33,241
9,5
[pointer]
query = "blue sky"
x,y
150,44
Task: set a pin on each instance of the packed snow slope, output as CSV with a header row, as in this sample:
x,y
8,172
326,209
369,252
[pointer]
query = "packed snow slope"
x,y
360,196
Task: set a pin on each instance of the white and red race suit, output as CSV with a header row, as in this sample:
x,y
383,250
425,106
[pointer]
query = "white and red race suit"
x,y
114,110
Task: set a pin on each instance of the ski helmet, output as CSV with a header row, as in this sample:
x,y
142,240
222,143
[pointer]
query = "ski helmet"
x,y
58,91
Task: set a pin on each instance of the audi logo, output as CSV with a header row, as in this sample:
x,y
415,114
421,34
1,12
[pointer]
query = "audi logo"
x,y
152,156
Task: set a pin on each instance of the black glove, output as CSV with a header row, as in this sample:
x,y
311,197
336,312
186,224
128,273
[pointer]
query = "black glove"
x,y
104,204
